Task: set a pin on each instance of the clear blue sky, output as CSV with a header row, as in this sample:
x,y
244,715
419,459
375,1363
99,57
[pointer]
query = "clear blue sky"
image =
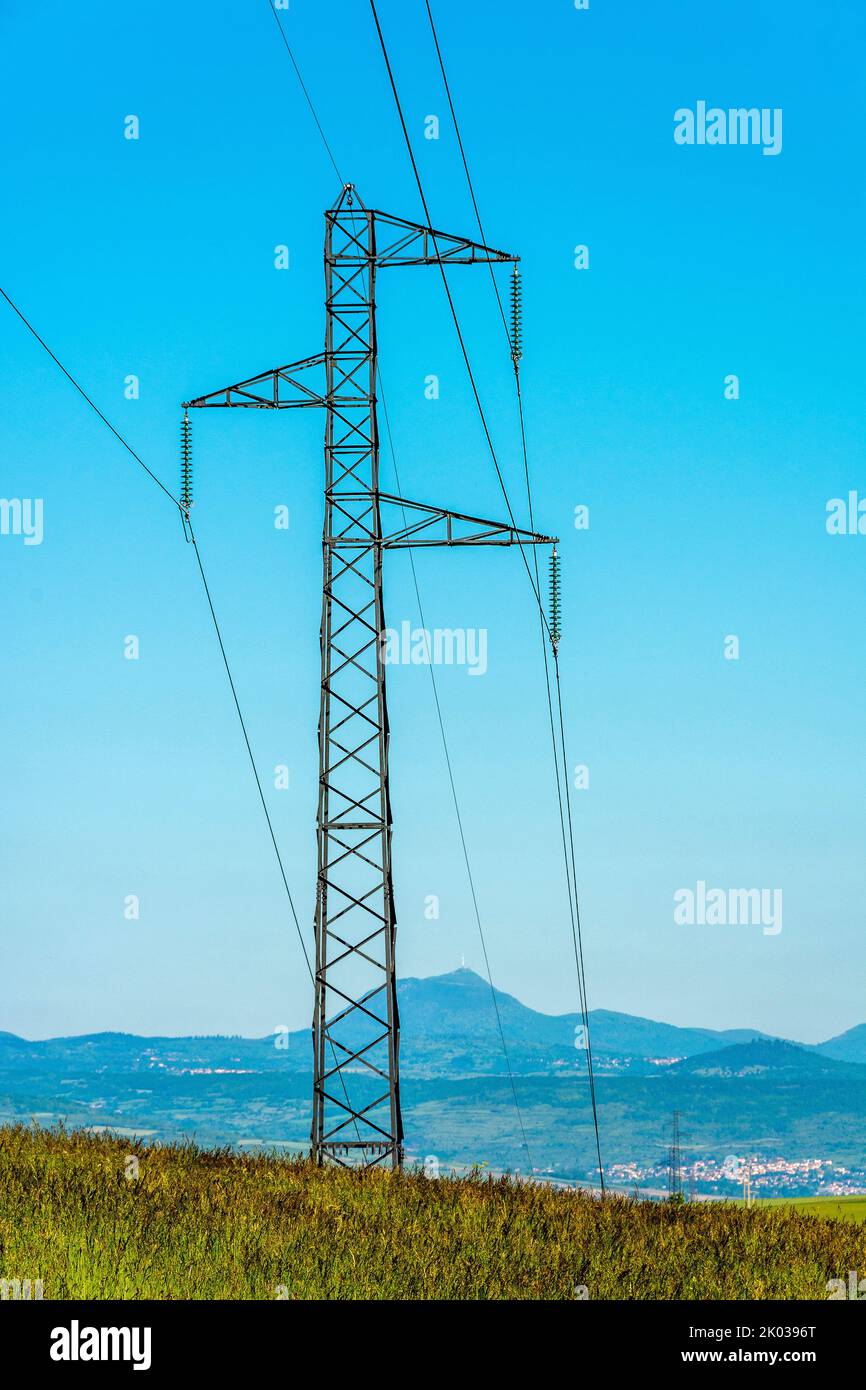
x,y
155,257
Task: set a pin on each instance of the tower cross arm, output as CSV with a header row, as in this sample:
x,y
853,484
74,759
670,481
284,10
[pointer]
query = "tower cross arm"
x,y
411,243
423,525
277,389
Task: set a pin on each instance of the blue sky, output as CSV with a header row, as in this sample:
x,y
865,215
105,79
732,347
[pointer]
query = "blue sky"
x,y
155,257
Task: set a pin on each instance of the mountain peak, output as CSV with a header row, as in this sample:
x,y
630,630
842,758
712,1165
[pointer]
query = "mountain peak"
x,y
463,975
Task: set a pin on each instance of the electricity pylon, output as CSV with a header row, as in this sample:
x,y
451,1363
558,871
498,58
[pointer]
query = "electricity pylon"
x,y
675,1162
356,1093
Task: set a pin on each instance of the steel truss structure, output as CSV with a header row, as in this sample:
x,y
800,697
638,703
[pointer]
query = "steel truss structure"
x,y
356,1090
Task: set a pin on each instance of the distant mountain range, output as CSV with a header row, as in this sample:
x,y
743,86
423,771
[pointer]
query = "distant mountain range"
x,y
449,1028
457,1009
737,1091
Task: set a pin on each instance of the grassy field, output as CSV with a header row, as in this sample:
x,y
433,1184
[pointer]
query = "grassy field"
x,y
95,1217
832,1208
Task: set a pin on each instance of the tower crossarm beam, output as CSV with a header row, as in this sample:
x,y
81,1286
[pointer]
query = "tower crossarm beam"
x,y
425,525
411,243
276,389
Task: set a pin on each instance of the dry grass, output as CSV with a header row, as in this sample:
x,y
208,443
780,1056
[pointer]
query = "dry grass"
x,y
212,1225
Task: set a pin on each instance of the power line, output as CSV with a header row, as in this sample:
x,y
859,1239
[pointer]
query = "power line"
x,y
304,90
567,845
460,338
577,933
93,406
465,162
128,447
454,797
255,770
188,529
534,582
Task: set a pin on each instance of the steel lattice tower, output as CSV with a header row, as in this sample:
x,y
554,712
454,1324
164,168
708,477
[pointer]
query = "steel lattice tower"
x,y
675,1161
356,1090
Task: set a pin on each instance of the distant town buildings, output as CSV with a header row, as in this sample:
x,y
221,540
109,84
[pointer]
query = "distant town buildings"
x,y
770,1177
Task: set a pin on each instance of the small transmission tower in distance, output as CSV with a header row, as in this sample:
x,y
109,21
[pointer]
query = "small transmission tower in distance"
x,y
356,1089
675,1162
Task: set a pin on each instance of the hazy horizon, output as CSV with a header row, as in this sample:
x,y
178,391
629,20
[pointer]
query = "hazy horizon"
x,y
300,1027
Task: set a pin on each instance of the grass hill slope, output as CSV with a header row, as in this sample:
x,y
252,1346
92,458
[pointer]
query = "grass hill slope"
x,y
103,1218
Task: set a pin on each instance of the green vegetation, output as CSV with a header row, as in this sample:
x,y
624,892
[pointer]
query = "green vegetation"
x,y
199,1224
833,1208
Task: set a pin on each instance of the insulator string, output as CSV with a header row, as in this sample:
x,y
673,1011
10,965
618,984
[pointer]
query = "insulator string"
x,y
186,501
516,319
555,600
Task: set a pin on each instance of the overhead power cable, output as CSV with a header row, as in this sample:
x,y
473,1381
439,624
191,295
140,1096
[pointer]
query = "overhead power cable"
x,y
303,87
189,531
454,315
569,852
93,406
129,449
250,754
455,798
